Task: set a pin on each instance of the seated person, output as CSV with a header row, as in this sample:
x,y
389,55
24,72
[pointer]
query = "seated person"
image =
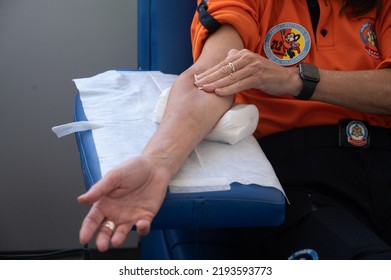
x,y
319,72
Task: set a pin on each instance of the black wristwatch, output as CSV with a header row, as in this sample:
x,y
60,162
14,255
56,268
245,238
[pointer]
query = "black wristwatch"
x,y
309,74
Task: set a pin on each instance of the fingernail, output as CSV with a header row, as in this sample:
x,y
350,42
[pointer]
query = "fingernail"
x,y
196,82
199,87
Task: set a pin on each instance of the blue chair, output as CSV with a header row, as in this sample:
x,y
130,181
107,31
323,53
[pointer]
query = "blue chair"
x,y
194,225
164,35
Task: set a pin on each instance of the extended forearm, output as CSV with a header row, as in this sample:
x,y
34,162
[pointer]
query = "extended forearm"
x,y
191,113
189,116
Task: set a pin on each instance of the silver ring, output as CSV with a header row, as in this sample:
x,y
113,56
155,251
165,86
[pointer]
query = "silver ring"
x,y
109,224
232,66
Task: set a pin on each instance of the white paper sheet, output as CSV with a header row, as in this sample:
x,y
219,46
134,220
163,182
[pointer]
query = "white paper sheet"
x,y
123,103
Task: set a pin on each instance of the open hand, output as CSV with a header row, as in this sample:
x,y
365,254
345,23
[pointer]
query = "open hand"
x,y
129,195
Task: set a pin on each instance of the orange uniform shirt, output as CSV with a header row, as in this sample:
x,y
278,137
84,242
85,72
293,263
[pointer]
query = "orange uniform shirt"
x,y
282,31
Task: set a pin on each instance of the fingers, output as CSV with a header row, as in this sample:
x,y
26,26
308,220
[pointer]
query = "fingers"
x,y
219,71
90,224
108,231
232,83
143,227
121,234
124,200
209,82
100,189
117,236
103,238
222,66
224,74
231,75
232,52
111,234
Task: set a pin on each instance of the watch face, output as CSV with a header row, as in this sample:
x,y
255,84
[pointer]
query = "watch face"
x,y
309,72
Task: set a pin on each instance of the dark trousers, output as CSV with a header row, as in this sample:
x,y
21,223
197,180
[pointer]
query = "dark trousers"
x,y
340,198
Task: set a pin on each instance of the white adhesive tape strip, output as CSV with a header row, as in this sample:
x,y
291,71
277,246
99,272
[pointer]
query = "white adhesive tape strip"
x,y
69,128
199,185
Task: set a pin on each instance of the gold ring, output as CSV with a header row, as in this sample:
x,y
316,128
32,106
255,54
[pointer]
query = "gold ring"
x,y
109,224
232,66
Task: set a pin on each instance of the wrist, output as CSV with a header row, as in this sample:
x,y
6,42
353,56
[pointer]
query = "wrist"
x,y
309,74
168,162
296,83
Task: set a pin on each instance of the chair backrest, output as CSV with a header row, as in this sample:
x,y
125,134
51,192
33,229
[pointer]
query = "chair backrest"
x,y
164,35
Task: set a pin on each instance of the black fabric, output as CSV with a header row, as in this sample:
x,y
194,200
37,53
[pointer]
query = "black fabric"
x,y
340,198
206,19
324,136
314,9
330,231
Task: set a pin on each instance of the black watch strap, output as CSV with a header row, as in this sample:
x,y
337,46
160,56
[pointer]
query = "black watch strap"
x,y
307,91
309,74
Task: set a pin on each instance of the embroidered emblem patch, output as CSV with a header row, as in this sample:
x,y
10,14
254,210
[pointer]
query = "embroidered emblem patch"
x,y
357,133
305,254
287,43
369,37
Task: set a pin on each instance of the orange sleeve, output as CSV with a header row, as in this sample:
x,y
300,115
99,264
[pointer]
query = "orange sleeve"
x,y
241,14
383,31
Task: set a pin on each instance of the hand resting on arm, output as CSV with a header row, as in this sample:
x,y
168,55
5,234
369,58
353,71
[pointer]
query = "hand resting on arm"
x,y
364,90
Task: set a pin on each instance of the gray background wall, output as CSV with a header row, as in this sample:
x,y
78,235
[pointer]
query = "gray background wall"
x,y
44,44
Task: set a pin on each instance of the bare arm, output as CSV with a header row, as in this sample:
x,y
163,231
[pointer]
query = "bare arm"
x,y
191,113
366,90
132,193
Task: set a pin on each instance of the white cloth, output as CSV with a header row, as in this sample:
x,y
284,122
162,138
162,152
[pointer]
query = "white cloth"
x,y
123,104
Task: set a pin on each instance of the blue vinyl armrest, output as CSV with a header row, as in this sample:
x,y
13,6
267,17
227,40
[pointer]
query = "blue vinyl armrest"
x,y
242,206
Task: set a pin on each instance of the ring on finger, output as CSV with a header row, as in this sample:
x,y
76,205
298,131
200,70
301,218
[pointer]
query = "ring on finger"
x,y
109,224
232,67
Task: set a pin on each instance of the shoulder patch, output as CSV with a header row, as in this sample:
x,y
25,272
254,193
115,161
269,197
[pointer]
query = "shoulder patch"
x,y
369,37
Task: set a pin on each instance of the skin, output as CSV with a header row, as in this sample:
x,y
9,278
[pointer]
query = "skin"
x,y
132,193
367,91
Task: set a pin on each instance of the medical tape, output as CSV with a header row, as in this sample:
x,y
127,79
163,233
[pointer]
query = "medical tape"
x,y
199,185
70,128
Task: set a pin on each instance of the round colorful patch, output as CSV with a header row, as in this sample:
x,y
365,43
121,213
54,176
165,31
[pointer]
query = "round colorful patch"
x,y
287,43
357,133
305,254
369,37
